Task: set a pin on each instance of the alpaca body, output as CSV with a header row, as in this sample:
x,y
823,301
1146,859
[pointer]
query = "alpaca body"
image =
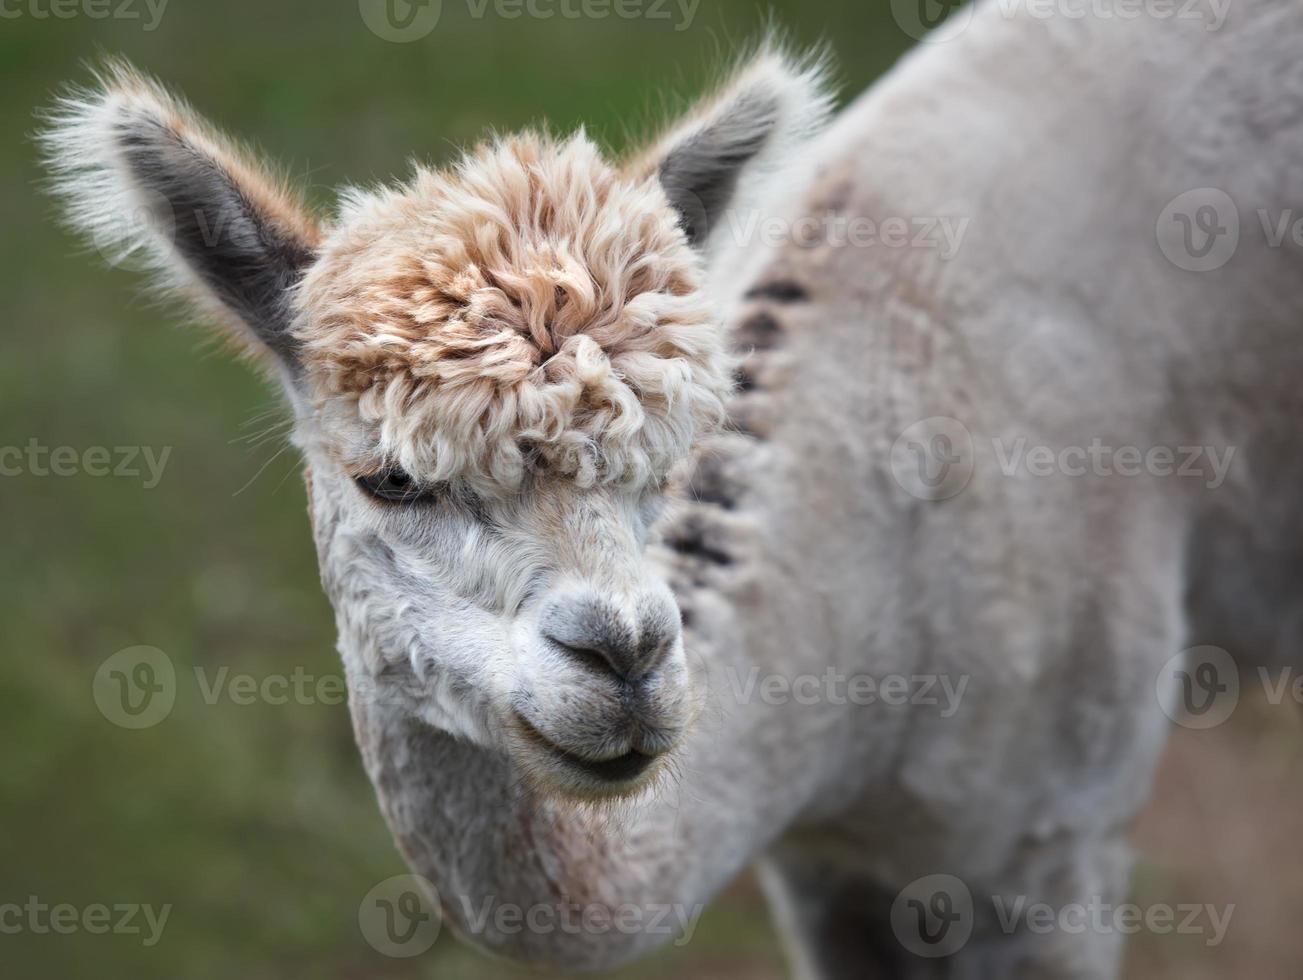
x,y
1060,593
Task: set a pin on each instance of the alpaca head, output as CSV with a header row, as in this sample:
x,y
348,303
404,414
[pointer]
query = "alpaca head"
x,y
492,370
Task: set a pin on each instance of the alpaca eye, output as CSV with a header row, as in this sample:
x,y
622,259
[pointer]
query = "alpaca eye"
x,y
396,487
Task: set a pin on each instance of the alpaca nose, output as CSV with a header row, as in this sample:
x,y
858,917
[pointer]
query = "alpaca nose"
x,y
629,640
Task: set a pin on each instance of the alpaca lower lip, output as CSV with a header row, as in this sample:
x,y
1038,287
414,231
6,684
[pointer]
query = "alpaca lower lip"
x,y
621,769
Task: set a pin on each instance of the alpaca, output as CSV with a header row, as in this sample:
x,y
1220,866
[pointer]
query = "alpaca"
x,y
598,483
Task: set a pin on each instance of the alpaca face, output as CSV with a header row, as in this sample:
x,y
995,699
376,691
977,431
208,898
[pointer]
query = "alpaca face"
x,y
530,623
492,370
497,368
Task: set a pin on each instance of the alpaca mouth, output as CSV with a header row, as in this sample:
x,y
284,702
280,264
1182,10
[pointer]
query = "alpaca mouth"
x,y
618,770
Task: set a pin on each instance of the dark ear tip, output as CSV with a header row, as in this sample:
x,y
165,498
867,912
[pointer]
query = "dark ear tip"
x,y
757,122
694,219
148,181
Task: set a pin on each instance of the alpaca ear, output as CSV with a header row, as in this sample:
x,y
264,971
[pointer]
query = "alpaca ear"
x,y
147,180
710,162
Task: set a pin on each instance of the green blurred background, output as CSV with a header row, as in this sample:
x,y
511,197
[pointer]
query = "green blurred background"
x,y
254,821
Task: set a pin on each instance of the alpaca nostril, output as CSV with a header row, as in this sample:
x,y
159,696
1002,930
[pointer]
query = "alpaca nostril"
x,y
619,662
594,660
593,632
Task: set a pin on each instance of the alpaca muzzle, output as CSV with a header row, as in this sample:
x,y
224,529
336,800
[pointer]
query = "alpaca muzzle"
x,y
606,695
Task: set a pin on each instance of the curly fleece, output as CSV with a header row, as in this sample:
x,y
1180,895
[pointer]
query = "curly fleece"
x,y
532,308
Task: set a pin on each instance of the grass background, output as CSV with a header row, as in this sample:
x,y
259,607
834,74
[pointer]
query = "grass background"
x,y
256,822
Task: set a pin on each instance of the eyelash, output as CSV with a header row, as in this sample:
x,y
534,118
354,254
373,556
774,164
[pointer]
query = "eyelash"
x,y
394,486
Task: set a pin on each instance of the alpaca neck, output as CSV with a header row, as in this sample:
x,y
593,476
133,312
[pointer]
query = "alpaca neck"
x,y
602,883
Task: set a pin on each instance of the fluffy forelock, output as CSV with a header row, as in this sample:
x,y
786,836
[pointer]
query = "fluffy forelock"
x,y
532,308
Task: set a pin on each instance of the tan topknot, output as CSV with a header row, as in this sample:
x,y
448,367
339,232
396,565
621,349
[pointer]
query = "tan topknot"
x,y
530,308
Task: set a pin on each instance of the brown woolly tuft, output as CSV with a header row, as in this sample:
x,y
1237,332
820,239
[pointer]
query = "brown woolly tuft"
x,y
531,308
